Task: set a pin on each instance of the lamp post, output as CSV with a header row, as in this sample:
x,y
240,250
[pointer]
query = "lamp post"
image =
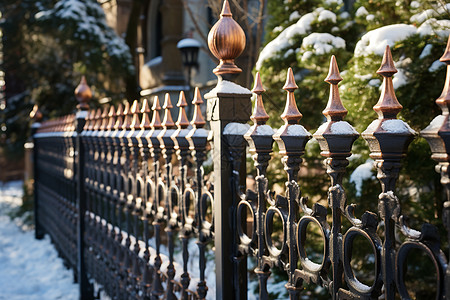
x,y
189,52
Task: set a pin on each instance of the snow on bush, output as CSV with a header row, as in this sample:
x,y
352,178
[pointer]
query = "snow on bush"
x,y
284,39
375,41
326,15
321,43
85,21
362,173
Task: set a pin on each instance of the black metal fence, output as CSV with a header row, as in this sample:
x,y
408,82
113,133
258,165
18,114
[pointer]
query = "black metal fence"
x,y
113,188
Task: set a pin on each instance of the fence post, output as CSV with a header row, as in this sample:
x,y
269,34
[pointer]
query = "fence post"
x,y
36,115
227,103
83,94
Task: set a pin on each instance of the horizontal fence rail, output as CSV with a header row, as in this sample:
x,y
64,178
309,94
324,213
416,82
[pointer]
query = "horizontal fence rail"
x,y
126,199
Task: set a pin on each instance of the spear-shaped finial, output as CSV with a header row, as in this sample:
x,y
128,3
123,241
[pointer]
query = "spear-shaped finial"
x,y
446,56
126,116
335,110
119,117
197,119
98,119
182,121
156,121
135,124
291,114
444,99
259,115
104,118
90,120
167,120
387,106
387,68
145,110
36,114
111,118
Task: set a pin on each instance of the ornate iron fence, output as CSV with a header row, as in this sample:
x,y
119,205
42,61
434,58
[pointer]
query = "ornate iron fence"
x,y
112,187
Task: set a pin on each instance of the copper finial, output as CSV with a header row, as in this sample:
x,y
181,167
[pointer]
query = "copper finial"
x,y
119,117
135,123
387,68
83,94
156,121
335,110
145,110
388,105
259,115
167,120
104,118
36,114
111,118
291,114
226,40
126,116
182,121
197,119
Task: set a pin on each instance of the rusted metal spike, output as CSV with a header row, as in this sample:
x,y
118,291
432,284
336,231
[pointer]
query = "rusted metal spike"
x,y
291,114
333,77
111,118
182,100
167,102
145,110
226,11
156,105
197,119
156,121
98,119
444,99
258,87
182,121
167,120
387,68
83,94
259,115
36,114
126,116
91,120
197,97
135,123
119,117
388,105
446,56
104,118
335,110
290,84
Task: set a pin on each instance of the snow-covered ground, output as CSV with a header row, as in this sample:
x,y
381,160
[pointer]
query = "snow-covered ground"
x,y
30,269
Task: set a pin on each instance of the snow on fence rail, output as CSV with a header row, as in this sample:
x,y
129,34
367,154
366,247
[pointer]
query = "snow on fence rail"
x,y
113,186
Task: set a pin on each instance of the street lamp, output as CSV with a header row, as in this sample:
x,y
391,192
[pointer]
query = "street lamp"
x,y
189,51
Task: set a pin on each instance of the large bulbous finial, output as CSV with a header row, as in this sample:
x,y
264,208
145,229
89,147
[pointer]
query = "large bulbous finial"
x,y
226,40
83,94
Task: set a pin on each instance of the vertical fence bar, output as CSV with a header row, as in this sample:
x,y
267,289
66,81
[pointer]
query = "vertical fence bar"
x,y
36,115
83,95
438,136
227,103
387,148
